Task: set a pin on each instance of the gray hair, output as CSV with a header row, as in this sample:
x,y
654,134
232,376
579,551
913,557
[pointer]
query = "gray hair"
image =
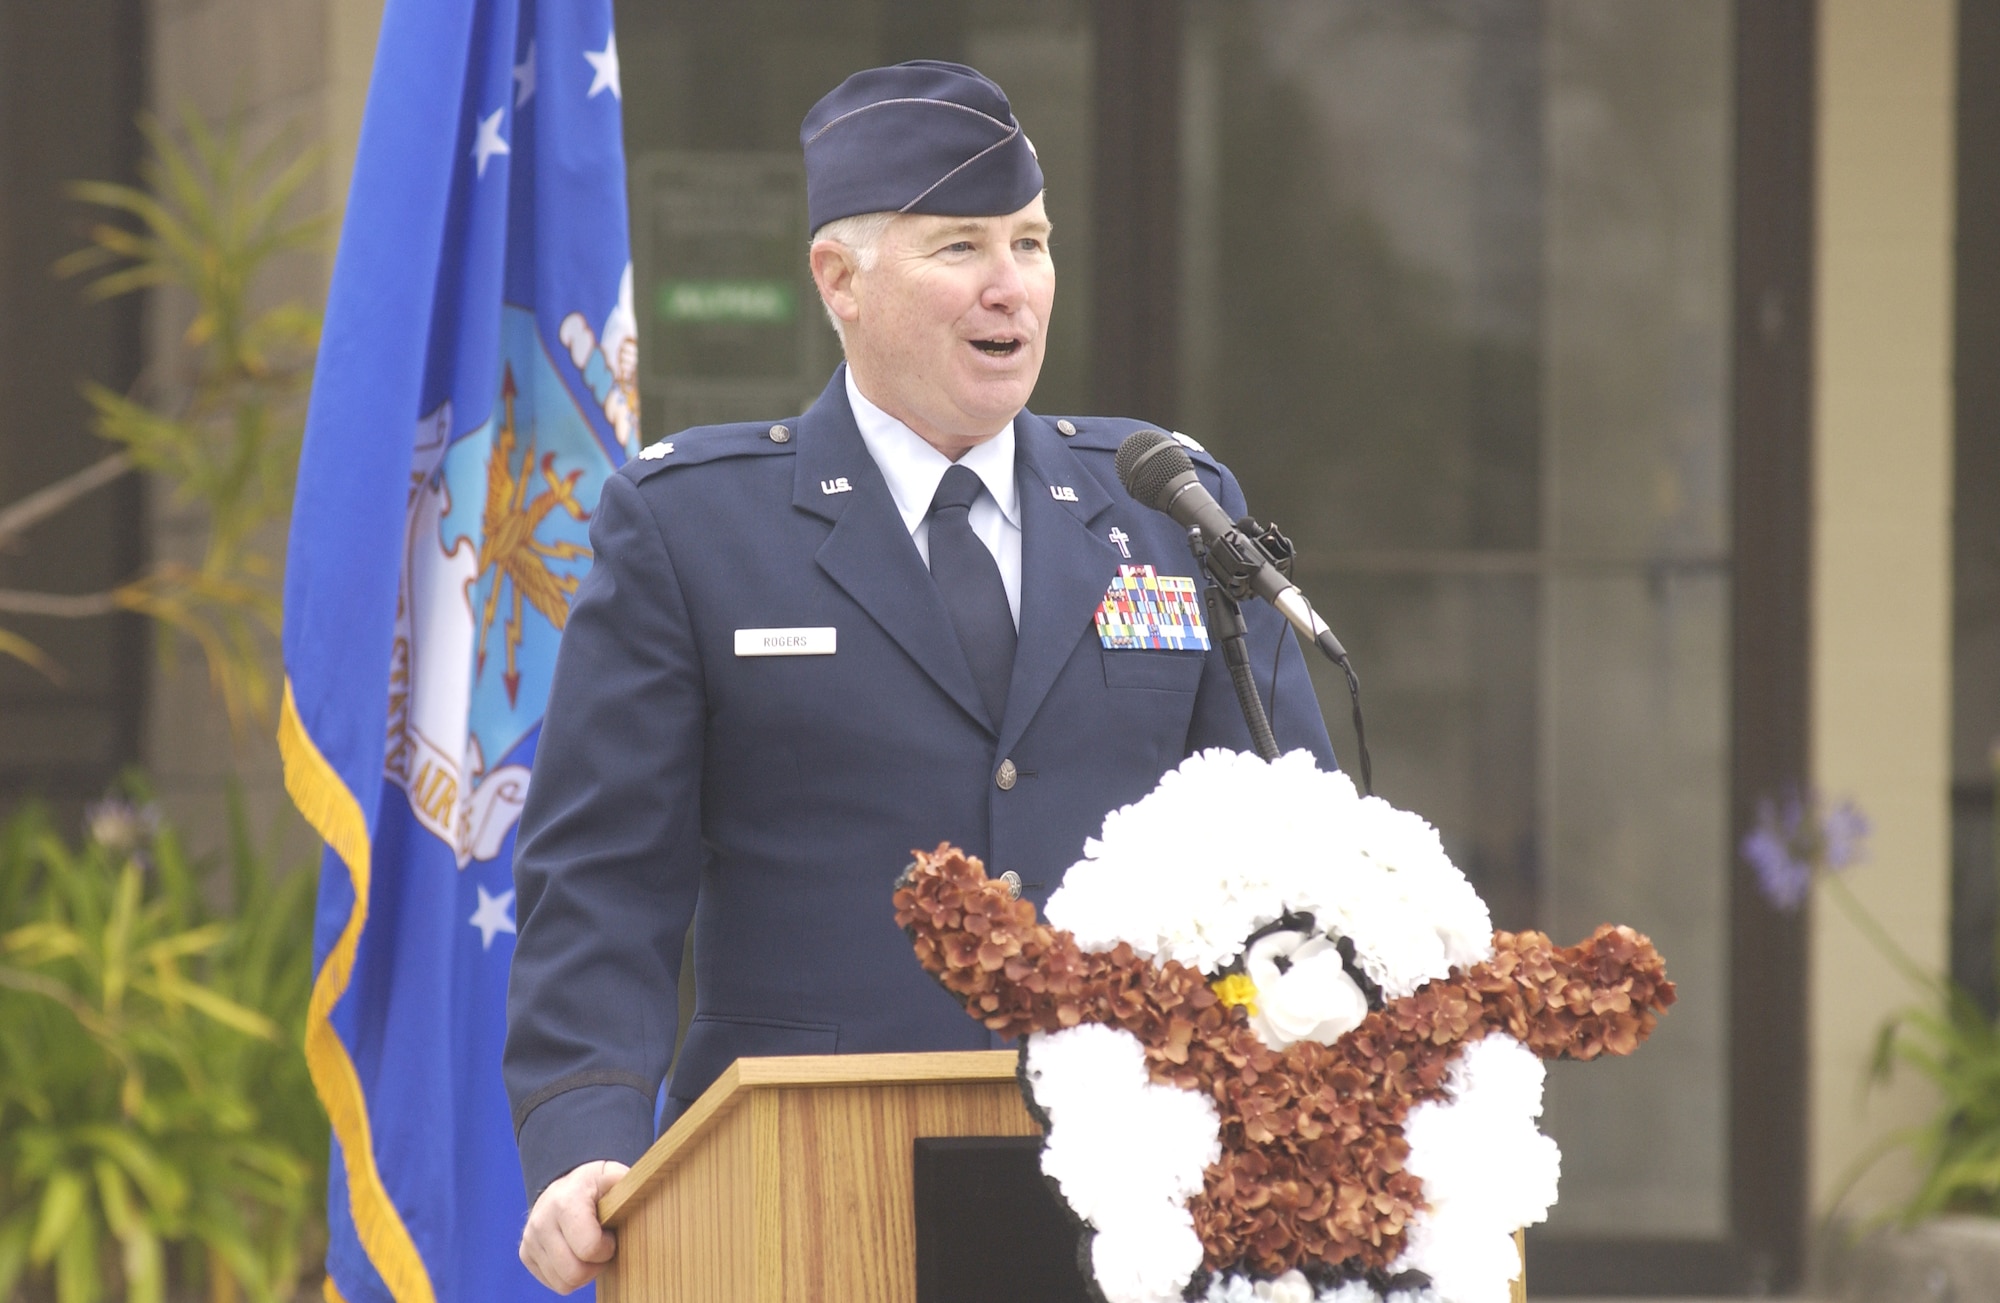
x,y
861,235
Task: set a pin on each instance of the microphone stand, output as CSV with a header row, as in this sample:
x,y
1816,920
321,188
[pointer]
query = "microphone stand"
x,y
1226,626
1227,566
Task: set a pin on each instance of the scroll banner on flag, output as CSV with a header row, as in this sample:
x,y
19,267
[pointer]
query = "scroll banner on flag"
x,y
477,382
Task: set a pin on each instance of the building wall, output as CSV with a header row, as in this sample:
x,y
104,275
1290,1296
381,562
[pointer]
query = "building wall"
x,y
1881,640
69,90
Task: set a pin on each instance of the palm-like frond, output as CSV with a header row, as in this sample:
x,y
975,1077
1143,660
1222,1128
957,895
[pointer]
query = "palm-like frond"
x,y
211,214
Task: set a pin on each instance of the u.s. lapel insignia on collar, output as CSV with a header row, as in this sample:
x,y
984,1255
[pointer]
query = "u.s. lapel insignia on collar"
x,y
838,484
1142,609
1062,493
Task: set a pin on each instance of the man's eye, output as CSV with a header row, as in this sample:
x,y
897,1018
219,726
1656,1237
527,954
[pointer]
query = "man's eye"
x,y
1029,245
959,246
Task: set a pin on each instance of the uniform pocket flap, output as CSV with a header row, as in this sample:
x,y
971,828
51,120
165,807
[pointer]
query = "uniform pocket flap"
x,y
1166,671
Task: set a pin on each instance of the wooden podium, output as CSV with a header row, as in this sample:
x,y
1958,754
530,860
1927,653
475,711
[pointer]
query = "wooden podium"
x,y
790,1180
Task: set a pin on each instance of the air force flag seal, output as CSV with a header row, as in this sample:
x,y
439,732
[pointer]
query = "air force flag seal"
x,y
477,384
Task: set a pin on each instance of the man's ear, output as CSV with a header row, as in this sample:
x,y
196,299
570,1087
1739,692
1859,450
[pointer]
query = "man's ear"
x,y
834,268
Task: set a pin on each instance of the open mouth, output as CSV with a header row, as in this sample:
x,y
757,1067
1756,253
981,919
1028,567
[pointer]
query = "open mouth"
x,y
1005,347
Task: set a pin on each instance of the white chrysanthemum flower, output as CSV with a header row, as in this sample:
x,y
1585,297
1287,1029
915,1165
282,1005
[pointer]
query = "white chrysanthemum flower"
x,y
1146,1260
1128,1153
1487,1171
1293,1285
1228,1289
1176,884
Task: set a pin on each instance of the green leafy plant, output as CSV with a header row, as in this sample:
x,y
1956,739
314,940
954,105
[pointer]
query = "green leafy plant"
x,y
1946,1037
157,1129
1957,1047
210,216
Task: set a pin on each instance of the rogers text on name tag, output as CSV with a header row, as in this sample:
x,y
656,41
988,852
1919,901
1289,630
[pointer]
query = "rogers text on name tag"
x,y
785,642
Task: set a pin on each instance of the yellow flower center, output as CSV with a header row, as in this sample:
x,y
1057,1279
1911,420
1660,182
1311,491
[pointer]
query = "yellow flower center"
x,y
1237,988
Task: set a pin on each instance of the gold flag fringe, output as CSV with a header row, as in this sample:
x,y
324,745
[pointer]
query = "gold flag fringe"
x,y
336,816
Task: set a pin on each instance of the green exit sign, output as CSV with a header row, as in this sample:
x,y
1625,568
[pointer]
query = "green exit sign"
x,y
698,302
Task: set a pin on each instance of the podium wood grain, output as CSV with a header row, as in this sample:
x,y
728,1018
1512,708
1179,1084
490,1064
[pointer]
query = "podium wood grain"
x,y
790,1179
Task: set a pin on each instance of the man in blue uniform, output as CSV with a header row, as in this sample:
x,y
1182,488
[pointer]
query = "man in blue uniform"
x,y
916,613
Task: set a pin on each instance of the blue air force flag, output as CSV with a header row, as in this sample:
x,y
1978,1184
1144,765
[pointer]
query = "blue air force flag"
x,y
477,382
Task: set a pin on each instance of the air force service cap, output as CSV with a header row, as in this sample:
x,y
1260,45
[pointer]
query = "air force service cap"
x,y
919,137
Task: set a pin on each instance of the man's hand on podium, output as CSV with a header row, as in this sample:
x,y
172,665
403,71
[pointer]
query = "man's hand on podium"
x,y
563,1244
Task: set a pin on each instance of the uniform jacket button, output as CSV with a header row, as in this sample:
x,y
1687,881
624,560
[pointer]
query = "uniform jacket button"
x,y
1012,881
1005,778
1065,428
779,434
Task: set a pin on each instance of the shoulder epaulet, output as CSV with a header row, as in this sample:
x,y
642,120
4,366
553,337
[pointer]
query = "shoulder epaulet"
x,y
709,443
1105,433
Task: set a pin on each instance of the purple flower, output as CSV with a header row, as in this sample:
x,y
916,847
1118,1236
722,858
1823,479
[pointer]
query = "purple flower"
x,y
1796,839
120,826
1843,834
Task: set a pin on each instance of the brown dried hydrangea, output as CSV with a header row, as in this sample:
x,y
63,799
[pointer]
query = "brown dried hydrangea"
x,y
1311,1174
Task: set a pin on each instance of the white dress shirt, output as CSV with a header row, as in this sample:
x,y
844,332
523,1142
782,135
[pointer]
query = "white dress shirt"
x,y
914,470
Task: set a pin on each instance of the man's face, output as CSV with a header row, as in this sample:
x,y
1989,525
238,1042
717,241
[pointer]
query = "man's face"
x,y
948,325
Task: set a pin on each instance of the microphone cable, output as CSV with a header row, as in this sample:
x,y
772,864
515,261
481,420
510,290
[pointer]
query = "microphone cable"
x,y
1244,558
1354,704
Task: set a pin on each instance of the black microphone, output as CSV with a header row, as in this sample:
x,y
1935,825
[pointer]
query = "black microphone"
x,y
1154,470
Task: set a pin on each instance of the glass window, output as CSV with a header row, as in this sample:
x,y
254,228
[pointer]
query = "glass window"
x,y
1455,305
730,327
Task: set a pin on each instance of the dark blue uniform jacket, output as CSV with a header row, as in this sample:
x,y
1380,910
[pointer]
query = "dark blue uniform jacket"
x,y
771,802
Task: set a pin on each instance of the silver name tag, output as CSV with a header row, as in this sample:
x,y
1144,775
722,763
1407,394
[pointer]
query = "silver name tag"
x,y
785,642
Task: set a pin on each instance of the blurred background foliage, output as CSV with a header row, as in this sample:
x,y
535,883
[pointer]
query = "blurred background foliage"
x,y
159,1136
219,426
1953,1041
1802,847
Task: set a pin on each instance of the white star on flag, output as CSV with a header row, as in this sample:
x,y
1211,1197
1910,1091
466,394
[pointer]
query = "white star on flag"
x,y
492,916
524,77
489,142
606,63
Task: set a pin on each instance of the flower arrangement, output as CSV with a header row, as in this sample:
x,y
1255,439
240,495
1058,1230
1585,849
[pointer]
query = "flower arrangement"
x,y
1264,1065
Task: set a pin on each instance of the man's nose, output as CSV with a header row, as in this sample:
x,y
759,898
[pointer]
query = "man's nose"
x,y
1005,289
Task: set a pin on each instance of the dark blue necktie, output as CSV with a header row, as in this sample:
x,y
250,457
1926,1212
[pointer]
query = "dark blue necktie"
x,y
968,578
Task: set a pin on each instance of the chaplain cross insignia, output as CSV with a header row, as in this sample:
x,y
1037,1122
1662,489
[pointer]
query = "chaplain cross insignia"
x,y
1121,538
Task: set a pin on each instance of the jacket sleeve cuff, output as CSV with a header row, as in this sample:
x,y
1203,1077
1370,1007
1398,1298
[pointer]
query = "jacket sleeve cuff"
x,y
580,1126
